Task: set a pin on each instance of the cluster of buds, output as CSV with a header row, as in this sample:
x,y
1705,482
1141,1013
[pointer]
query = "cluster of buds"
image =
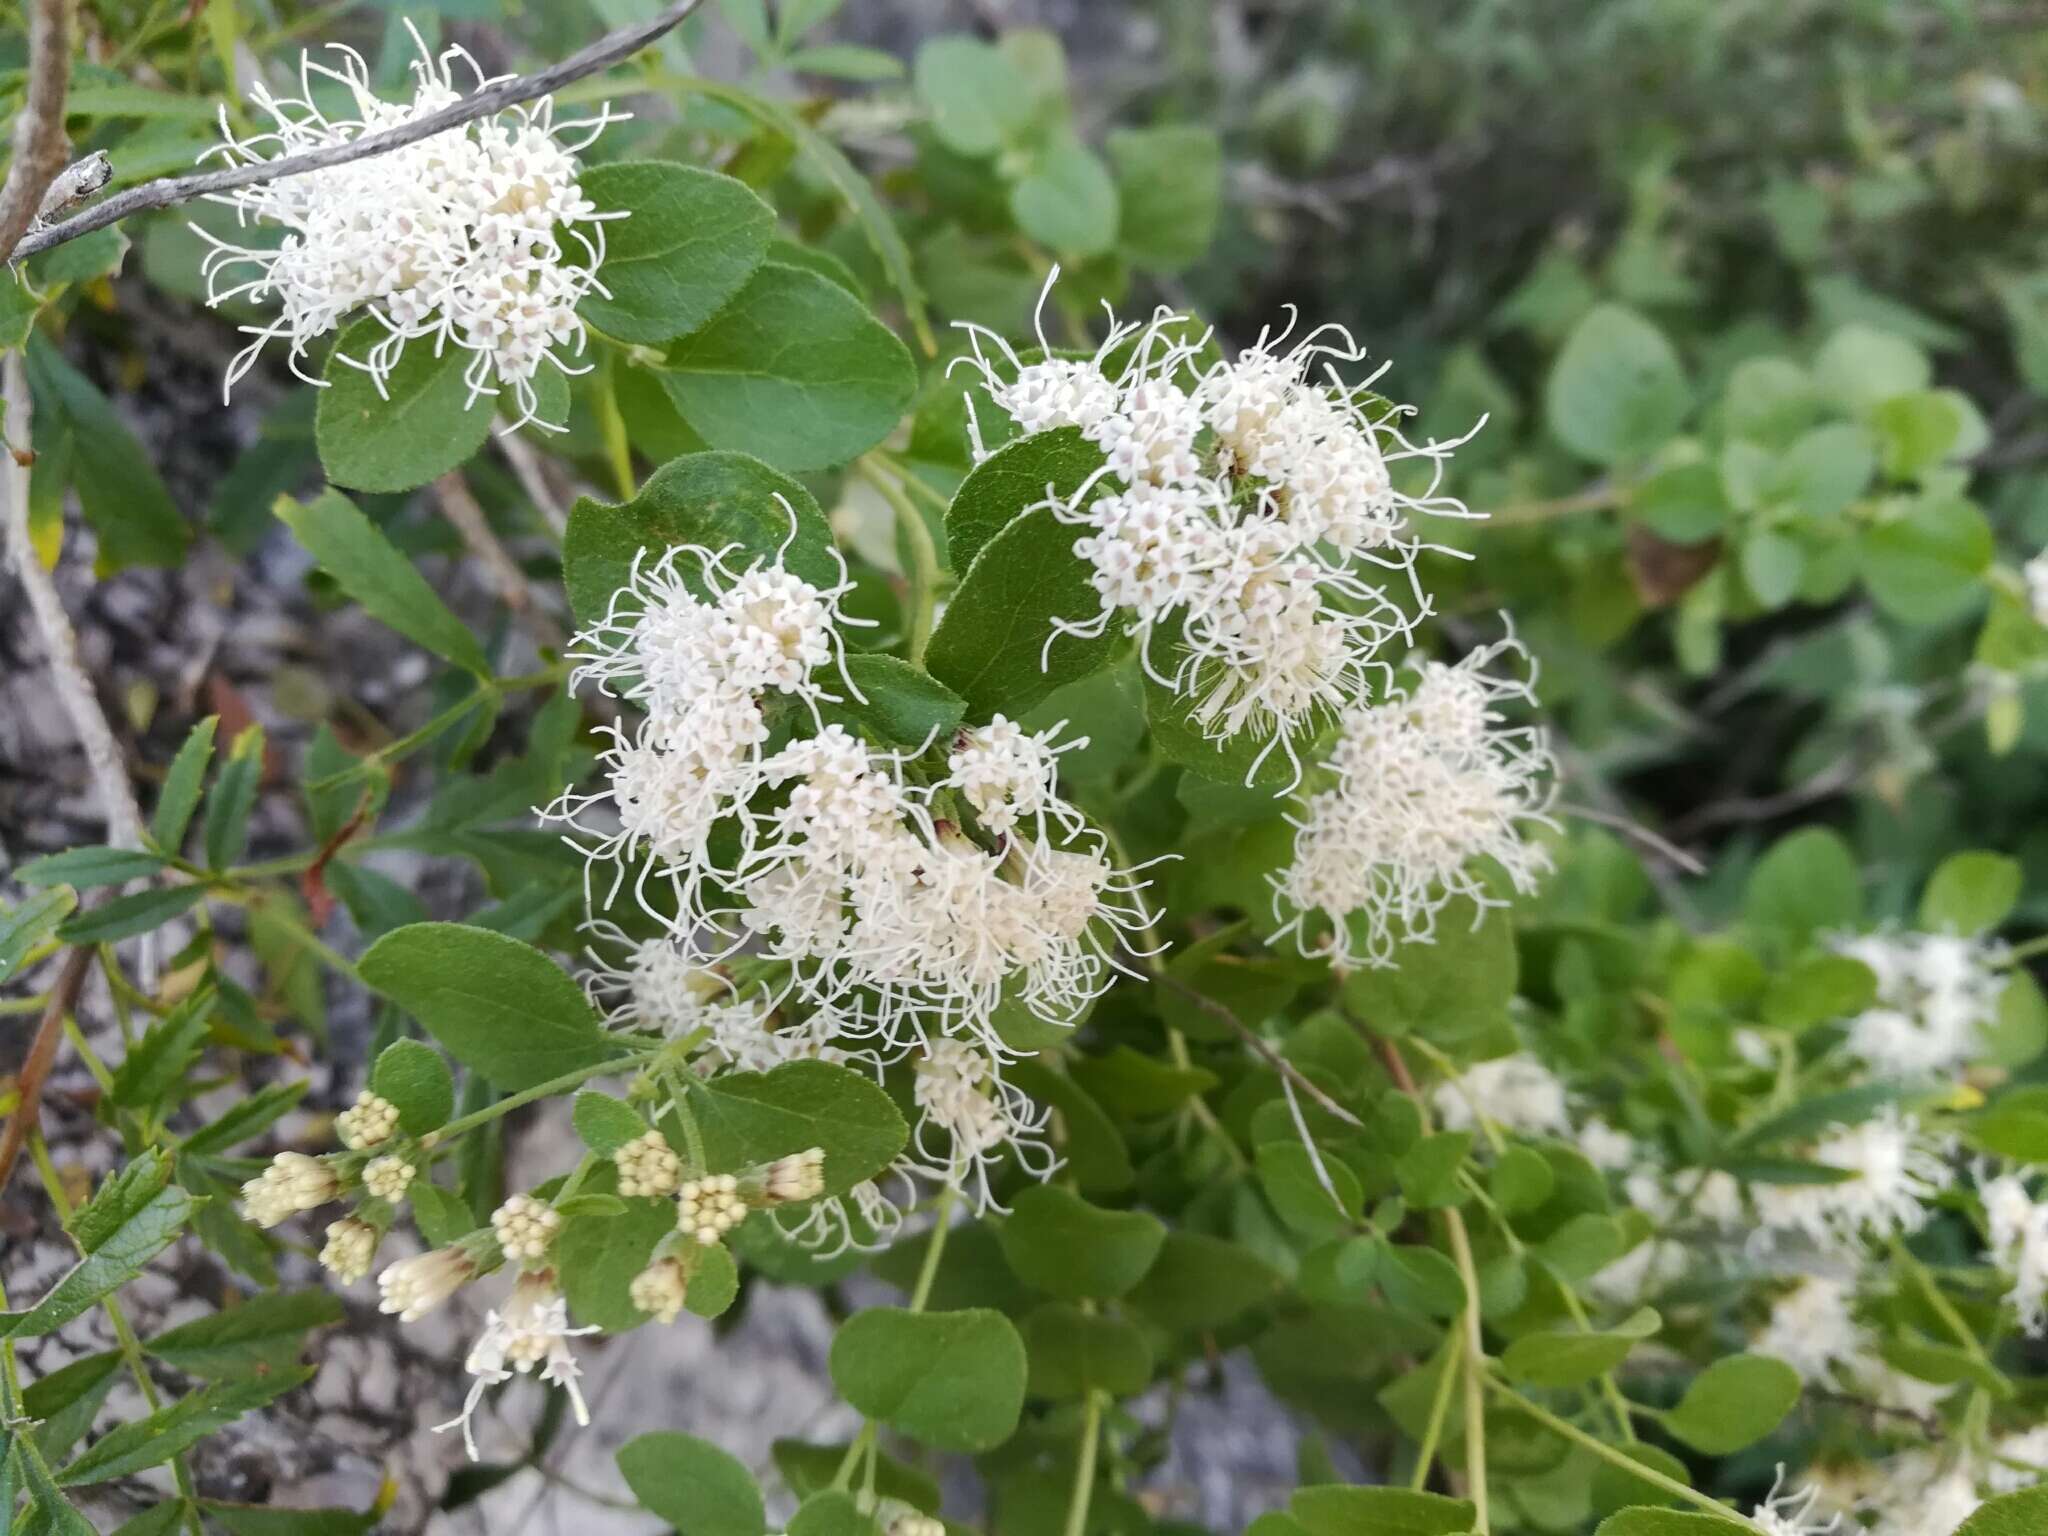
x,y
710,1207
800,1176
350,1249
412,1288
293,1182
660,1289
388,1177
369,1122
648,1166
525,1228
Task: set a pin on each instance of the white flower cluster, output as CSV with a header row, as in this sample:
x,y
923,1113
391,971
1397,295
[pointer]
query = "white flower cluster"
x,y
1937,994
1814,1329
1517,1093
293,1182
368,1122
1896,1169
1430,784
2019,1246
1245,526
451,241
531,1330
971,1118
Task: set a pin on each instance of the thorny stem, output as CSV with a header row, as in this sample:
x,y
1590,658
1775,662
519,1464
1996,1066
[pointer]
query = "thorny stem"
x,y
162,193
1084,1466
924,554
1618,1457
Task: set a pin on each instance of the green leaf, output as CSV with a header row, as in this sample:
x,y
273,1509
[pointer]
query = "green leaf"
x,y
1684,503
1816,989
500,1007
707,499
1340,1510
1018,476
1456,989
83,868
421,425
899,705
1097,1158
1296,1189
978,99
1169,180
182,781
1428,1171
1812,1116
1522,1180
1924,567
1970,893
1860,366
442,1216
1067,201
1128,1083
2016,1514
28,923
54,1515
1060,1244
1200,1282
1073,1353
274,1520
126,916
809,1470
844,61
795,370
1564,1358
1772,566
691,1483
1617,390
416,1081
993,638
1918,431
950,1380
605,1123
693,239
154,1067
1246,759
366,566
132,1219
259,1336
119,489
598,1255
1807,882
1825,470
233,798
68,1400
1734,1402
247,1118
1669,1522
756,1117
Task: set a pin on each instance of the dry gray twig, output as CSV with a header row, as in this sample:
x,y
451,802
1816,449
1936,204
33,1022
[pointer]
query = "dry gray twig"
x,y
168,190
40,148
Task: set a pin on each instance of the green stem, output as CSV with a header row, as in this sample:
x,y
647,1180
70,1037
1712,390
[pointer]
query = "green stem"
x,y
1617,1456
618,448
942,1226
693,1138
1943,1307
1084,1467
2023,952
1475,1368
1439,1410
1608,1387
554,1085
924,555
843,1478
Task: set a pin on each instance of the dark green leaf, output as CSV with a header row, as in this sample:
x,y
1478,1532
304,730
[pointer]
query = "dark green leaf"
x,y
422,424
1062,1245
1169,180
125,916
28,923
756,1117
950,1380
692,1484
233,798
83,868
416,1081
605,1123
119,489
693,239
258,1336
1337,1510
1073,1353
154,1067
899,705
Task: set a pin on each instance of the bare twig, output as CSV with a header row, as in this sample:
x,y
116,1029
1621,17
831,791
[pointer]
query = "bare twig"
x,y
40,148
531,472
74,688
1629,827
1260,1048
42,1054
165,191
460,507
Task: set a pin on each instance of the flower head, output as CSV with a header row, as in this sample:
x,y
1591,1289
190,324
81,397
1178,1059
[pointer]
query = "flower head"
x,y
648,1165
971,1118
1895,1170
292,1183
660,1289
531,1331
388,1177
525,1227
1515,1092
2019,1246
350,1249
1937,995
455,240
369,1122
414,1287
710,1207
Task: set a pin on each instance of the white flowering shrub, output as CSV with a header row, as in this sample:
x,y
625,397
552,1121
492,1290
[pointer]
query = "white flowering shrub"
x,y
1027,818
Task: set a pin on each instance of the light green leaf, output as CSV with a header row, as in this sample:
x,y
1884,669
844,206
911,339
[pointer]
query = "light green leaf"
x,y
416,1081
132,1219
1454,990
83,868
1340,1510
691,1483
1200,1282
1924,567
1970,893
1067,201
2016,1514
363,563
693,239
1617,390
1073,1353
233,798
605,1123
259,1336
500,1007
155,1065
179,797
1807,882
29,922
1860,366
1169,180
1734,1402
1564,1357
795,370
1669,1522
950,1380
756,1117
126,916
978,99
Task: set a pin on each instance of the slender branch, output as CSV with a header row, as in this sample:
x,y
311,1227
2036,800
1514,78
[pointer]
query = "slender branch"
x,y
532,476
1260,1048
1084,1467
42,1054
460,506
164,192
1628,827
942,1227
40,148
1439,1409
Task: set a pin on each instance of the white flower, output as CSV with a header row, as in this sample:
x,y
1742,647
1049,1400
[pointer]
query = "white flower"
x,y
2018,1461
1897,1169
388,1177
367,1123
867,1217
414,1287
532,1330
1917,1497
1790,1513
1813,1329
525,1227
710,1207
970,1118
2037,587
350,1249
1517,1093
1245,525
1007,775
648,1166
1642,1271
2019,1246
292,1183
800,1176
1423,795
451,241
660,1290
1936,996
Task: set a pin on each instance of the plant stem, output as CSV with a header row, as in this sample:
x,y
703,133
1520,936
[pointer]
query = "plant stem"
x,y
924,554
1475,1368
618,448
1943,1307
1439,1410
554,1085
861,1442
1617,1456
942,1225
1084,1467
1608,1387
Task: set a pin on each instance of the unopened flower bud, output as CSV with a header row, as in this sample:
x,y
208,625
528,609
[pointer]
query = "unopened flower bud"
x,y
351,1246
800,1176
369,1122
648,1166
292,1183
710,1207
525,1227
659,1290
388,1177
